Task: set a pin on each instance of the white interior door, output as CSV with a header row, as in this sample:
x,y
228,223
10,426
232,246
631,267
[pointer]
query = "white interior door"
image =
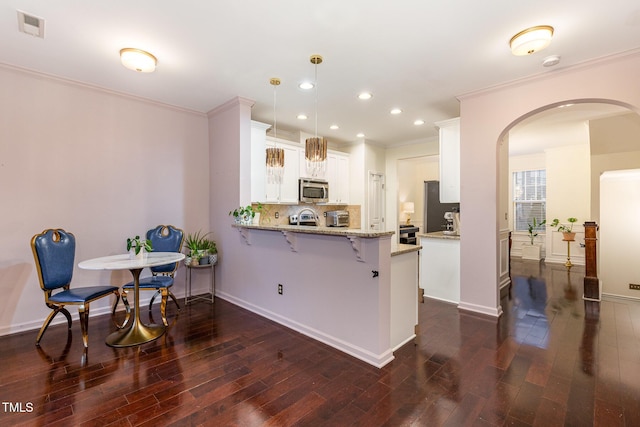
x,y
375,216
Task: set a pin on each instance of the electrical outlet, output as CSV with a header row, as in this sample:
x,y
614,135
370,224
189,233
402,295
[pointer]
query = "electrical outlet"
x,y
634,286
280,290
277,215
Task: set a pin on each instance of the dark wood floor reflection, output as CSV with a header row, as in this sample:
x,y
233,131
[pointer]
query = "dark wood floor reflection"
x,y
544,363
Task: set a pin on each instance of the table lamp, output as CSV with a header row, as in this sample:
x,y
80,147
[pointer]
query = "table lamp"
x,y
408,208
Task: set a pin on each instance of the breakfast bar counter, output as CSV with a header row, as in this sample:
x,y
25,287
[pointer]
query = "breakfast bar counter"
x,y
330,231
335,284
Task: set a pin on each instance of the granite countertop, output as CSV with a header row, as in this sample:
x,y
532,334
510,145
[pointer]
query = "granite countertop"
x,y
331,231
439,235
401,248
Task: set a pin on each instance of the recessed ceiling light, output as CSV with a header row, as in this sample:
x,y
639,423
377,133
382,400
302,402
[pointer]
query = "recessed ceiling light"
x,y
365,95
418,122
396,111
306,85
360,135
334,127
302,117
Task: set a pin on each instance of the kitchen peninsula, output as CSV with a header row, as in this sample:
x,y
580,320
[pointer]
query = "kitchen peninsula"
x,y
349,288
440,266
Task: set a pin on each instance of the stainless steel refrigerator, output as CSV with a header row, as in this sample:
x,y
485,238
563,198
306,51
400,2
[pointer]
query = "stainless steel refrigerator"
x,y
433,209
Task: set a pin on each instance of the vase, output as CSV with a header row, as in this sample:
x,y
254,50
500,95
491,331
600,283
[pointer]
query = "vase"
x,y
213,258
568,236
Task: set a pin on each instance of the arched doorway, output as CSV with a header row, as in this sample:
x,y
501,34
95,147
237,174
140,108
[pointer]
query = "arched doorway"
x,y
485,118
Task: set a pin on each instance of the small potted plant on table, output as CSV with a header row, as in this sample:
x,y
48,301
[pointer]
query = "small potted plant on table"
x,y
137,247
568,235
243,215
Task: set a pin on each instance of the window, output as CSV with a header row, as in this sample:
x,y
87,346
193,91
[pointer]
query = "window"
x,y
529,198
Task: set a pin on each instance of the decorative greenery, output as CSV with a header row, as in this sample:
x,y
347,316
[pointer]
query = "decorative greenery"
x,y
196,242
245,213
137,244
562,228
533,228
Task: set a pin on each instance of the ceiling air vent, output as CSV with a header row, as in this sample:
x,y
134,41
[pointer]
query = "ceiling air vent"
x,y
30,24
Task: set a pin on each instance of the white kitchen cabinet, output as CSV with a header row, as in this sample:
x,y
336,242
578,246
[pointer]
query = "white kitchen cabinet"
x,y
440,267
338,177
449,160
258,167
287,191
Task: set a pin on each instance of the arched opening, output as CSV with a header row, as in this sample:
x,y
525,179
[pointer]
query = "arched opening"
x,y
570,144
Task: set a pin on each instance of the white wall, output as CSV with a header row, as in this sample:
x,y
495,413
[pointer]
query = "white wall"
x,y
99,164
485,117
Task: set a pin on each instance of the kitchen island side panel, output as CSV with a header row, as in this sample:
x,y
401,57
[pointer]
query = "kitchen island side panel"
x,y
335,289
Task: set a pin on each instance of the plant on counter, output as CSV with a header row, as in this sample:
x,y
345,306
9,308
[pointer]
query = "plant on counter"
x,y
562,228
138,244
244,215
534,228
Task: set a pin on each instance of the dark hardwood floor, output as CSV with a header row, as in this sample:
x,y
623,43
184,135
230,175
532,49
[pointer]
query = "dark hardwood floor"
x,y
549,360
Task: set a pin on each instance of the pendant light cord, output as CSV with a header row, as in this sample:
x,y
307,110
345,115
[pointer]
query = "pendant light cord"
x,y
315,77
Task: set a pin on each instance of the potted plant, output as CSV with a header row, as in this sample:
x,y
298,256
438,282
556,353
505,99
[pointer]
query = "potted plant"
x,y
566,230
243,215
532,250
209,246
195,243
138,247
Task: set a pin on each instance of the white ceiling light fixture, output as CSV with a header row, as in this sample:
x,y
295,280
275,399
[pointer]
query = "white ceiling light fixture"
x,y
302,116
275,155
365,96
418,122
360,135
531,40
334,127
315,151
395,111
306,85
138,60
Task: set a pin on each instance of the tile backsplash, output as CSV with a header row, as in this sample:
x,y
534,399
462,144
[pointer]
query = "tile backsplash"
x,y
267,217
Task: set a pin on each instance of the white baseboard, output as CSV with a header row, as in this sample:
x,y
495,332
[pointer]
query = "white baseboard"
x,y
481,309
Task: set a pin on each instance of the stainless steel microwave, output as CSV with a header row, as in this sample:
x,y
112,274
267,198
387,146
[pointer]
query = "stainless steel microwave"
x,y
313,190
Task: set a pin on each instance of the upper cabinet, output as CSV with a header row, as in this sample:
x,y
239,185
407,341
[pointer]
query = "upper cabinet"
x,y
449,160
336,171
338,177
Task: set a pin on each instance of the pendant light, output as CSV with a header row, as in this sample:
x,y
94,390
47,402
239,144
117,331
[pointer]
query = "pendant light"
x,y
275,155
315,150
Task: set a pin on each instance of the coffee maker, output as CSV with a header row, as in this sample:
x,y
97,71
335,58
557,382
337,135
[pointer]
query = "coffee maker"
x,y
452,226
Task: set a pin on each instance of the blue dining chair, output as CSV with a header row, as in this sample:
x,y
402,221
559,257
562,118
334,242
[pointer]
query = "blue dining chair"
x,y
54,253
164,238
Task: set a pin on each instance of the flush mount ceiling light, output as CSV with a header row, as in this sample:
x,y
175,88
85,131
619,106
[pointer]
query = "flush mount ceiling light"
x,y
138,60
302,117
365,96
418,122
305,85
275,155
531,40
334,127
395,111
360,135
315,151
